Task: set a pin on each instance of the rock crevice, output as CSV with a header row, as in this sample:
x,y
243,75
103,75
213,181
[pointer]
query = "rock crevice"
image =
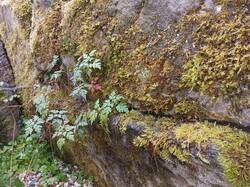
x,y
9,111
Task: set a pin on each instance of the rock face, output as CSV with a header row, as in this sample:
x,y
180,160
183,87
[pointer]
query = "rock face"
x,y
117,162
146,43
186,59
9,112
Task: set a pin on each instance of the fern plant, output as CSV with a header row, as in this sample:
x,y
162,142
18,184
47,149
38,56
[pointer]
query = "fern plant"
x,y
63,130
80,123
80,91
41,102
56,75
113,102
33,128
86,64
58,118
54,70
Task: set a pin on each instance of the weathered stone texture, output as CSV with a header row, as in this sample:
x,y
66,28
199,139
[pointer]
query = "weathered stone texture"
x,y
9,112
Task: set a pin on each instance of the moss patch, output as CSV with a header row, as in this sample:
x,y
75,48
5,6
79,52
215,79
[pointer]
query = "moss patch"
x,y
220,65
46,42
23,12
136,117
187,110
233,145
160,141
184,141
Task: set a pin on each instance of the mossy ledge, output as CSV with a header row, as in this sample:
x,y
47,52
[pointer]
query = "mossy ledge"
x,y
186,141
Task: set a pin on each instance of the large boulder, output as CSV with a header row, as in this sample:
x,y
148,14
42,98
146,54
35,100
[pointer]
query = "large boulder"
x,y
187,59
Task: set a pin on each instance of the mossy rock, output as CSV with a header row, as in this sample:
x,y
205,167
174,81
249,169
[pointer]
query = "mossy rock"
x,y
211,144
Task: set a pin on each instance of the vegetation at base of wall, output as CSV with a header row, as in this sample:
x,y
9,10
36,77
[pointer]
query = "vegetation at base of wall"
x,y
23,155
32,150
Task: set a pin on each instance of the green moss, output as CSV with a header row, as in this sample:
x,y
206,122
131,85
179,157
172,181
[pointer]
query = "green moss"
x,y
68,45
23,12
187,109
134,116
157,138
46,42
147,73
233,145
162,143
130,68
219,67
79,25
18,52
168,139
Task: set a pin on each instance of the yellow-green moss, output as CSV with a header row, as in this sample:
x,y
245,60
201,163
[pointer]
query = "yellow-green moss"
x,y
23,12
187,109
212,67
140,76
233,2
46,41
79,25
166,138
19,55
221,64
161,142
233,147
136,117
158,139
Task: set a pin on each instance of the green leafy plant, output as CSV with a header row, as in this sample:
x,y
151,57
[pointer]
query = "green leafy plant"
x,y
56,75
113,102
32,148
82,72
31,151
54,70
80,123
24,155
60,122
33,128
41,102
80,91
58,118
